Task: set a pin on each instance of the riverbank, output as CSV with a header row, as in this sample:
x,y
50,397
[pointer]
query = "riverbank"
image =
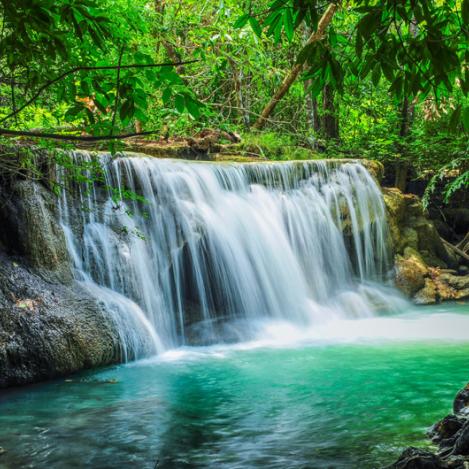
x,y
450,435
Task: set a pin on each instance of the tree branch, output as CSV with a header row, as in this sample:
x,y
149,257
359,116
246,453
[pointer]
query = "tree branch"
x,y
455,249
89,68
77,138
297,69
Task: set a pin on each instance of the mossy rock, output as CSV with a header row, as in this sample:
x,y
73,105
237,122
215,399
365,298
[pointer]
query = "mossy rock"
x,y
428,294
30,229
411,272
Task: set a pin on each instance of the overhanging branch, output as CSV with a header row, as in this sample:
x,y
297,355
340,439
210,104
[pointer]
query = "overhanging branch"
x,y
76,138
89,68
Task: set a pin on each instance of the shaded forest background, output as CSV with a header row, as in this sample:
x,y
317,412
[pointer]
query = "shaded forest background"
x,y
382,79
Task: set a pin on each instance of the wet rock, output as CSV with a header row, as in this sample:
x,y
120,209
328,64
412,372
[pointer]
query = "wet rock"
x,y
410,272
461,401
416,458
427,295
48,329
461,445
30,229
444,431
451,434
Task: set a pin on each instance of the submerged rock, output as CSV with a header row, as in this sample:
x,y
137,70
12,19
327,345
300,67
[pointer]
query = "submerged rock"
x,y
416,458
450,434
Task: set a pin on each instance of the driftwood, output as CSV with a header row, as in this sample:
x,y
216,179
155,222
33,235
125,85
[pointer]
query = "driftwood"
x,y
464,243
455,249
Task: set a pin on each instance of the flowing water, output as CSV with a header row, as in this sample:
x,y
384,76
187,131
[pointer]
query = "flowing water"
x,y
208,253
353,397
277,272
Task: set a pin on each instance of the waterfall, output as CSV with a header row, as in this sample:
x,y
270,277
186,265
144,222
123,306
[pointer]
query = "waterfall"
x,y
197,252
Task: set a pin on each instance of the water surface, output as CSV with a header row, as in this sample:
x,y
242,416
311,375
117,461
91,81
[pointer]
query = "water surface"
x,y
353,396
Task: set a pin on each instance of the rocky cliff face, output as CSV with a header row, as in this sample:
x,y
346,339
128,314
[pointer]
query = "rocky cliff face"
x,y
425,270
49,326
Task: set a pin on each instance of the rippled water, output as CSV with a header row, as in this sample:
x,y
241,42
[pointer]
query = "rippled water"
x,y
351,396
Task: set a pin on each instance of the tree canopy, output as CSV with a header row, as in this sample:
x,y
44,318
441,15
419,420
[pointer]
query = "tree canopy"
x,y
386,79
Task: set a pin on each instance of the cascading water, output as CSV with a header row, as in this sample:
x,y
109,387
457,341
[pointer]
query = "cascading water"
x,y
212,250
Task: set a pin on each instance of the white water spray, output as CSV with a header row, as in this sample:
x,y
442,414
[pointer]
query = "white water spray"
x,y
215,248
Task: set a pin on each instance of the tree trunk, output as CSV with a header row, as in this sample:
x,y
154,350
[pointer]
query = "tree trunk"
x,y
297,69
174,56
240,99
312,109
407,115
402,168
330,122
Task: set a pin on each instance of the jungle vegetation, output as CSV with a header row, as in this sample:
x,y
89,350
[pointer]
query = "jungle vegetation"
x,y
381,79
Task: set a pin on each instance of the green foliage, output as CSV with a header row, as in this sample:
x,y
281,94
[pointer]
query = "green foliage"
x,y
275,146
417,47
456,172
375,55
66,55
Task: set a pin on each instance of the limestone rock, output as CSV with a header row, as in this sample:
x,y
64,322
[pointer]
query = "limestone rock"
x,y
30,229
411,227
428,294
410,272
452,287
418,246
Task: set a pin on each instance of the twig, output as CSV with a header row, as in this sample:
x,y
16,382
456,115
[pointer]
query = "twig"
x,y
90,68
455,249
78,138
463,243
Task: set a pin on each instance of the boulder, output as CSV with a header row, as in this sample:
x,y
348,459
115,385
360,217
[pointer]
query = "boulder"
x,y
452,287
428,294
416,458
410,272
48,329
411,227
30,229
444,431
461,401
420,255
